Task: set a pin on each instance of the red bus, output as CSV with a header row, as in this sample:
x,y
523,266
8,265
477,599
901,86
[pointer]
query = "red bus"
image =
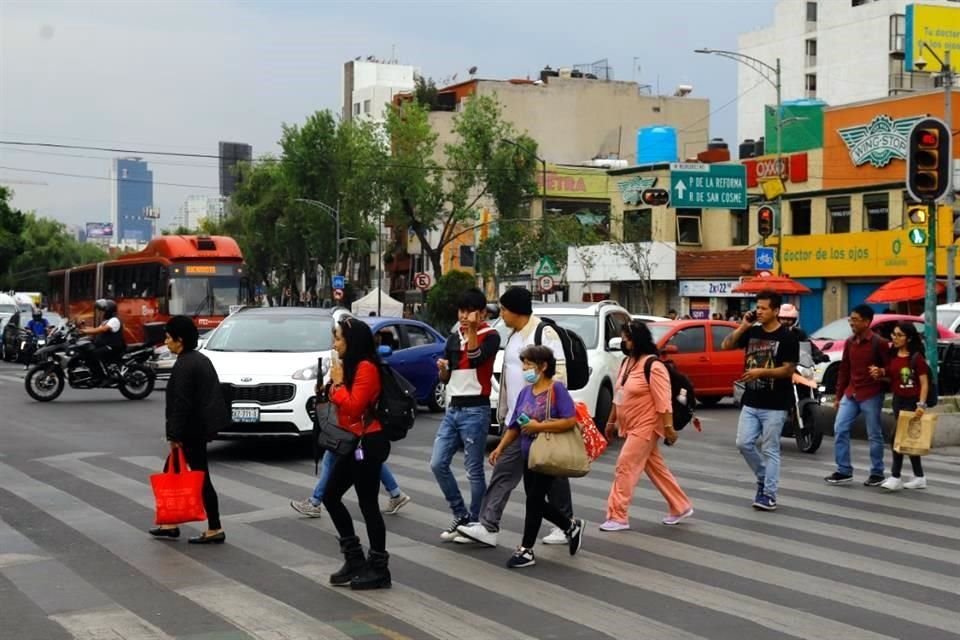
x,y
199,276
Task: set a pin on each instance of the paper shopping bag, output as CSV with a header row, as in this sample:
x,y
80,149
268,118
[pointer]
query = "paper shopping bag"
x,y
914,434
178,491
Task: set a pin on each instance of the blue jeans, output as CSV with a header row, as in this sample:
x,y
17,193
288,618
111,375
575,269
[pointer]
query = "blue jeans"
x,y
846,414
764,425
386,478
464,427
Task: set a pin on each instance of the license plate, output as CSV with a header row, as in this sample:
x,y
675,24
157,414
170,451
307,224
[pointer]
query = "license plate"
x,y
246,414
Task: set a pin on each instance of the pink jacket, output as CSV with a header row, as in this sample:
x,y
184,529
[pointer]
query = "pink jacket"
x,y
639,404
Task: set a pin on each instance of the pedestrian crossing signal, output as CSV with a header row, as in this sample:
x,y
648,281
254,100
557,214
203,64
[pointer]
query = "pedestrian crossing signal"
x,y
917,214
655,197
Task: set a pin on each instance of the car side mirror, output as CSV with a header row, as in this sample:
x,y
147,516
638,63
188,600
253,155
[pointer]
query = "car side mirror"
x,y
669,350
384,351
614,344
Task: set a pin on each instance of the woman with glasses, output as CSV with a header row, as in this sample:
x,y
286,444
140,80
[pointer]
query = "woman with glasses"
x,y
909,377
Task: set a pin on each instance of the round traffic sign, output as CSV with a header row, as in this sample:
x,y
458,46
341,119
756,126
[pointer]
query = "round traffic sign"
x,y
338,294
545,283
422,280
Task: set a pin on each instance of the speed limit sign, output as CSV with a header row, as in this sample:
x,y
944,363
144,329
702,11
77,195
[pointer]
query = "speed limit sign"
x,y
545,283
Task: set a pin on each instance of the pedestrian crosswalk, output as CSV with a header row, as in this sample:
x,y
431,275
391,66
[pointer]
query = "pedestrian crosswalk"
x,y
833,562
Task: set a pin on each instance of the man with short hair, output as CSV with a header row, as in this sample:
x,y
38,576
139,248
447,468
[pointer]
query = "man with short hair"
x,y
467,371
771,352
858,392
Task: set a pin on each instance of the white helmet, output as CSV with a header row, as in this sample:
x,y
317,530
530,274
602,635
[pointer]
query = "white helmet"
x,y
788,312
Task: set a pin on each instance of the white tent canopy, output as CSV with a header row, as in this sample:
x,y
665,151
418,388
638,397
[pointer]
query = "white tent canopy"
x,y
368,303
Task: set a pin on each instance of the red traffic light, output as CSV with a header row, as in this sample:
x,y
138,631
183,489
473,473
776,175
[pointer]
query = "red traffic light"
x,y
928,138
655,197
765,217
928,161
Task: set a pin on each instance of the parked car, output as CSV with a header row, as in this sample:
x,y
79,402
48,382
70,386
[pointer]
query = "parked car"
x,y
413,348
648,319
694,346
949,316
269,360
163,360
831,337
12,334
599,324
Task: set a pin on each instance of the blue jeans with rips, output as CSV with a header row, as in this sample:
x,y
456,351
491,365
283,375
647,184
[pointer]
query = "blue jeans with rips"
x,y
763,425
467,428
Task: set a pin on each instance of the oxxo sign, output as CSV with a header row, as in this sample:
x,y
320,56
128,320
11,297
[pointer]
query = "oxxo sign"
x,y
791,168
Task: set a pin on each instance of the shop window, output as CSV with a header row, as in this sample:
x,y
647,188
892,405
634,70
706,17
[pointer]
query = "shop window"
x,y
800,217
688,227
638,225
876,211
838,215
740,223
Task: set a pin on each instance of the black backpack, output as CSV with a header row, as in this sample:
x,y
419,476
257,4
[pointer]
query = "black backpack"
x,y
396,408
574,353
682,411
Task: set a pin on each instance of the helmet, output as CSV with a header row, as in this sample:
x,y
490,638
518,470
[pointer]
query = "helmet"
x,y
788,312
109,307
37,314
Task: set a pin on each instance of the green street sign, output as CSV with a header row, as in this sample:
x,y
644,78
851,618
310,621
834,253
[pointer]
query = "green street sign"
x,y
546,267
918,237
694,185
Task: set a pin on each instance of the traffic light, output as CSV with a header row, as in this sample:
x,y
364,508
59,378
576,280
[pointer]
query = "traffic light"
x,y
928,160
655,197
765,221
917,214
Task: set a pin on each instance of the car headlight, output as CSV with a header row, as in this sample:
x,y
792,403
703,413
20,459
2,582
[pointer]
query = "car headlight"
x,y
307,373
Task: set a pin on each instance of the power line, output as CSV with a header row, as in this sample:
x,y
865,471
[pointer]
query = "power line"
x,y
109,179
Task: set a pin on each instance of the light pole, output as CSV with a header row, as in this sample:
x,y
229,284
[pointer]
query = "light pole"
x,y
771,74
334,213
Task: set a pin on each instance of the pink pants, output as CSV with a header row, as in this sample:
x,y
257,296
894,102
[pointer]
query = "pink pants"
x,y
636,456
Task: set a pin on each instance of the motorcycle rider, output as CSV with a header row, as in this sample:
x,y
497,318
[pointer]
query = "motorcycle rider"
x,y
38,326
789,317
108,338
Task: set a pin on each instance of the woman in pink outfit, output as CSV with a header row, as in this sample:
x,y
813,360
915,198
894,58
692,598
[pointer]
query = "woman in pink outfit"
x,y
642,414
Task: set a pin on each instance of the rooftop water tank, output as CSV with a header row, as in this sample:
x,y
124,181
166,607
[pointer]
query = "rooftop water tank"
x,y
656,145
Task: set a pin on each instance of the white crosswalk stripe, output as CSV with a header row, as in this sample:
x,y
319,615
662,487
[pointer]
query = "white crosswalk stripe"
x,y
856,563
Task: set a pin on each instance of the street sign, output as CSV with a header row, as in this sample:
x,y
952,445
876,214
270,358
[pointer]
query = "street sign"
x,y
422,281
338,294
545,283
546,267
694,185
763,258
339,282
918,237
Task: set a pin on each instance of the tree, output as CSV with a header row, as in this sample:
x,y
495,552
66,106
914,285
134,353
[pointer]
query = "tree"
x,y
425,92
11,236
443,296
638,258
46,246
487,161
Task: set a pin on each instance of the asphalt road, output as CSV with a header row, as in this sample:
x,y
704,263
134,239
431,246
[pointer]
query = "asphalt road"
x,y
833,562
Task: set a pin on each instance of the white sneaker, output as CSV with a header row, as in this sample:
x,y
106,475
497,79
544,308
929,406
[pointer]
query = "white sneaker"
x,y
557,536
916,483
892,484
464,540
476,532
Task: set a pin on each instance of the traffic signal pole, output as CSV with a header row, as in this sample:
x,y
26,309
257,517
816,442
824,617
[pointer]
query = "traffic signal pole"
x,y
930,334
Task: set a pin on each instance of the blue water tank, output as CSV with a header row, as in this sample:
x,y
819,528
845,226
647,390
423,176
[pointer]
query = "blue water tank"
x,y
656,145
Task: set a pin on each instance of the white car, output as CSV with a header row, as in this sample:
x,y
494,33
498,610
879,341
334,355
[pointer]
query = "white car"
x,y
599,324
270,357
648,319
948,315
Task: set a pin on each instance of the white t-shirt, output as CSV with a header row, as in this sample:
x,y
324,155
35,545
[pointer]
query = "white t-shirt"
x,y
113,323
512,373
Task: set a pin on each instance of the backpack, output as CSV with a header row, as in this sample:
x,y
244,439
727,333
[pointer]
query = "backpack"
x,y
396,408
574,353
682,411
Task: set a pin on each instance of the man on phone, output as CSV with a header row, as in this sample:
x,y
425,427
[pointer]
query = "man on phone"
x,y
467,371
770,358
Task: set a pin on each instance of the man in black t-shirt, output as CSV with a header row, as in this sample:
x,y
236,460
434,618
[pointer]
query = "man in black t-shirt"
x,y
771,352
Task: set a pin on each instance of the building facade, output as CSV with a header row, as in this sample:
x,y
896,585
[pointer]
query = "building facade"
x,y
131,201
233,156
198,208
370,85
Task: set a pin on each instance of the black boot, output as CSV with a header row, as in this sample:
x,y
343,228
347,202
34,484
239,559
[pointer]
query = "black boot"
x,y
376,575
354,562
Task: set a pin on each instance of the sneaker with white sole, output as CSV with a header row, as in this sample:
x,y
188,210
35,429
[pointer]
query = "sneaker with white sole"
x,y
556,536
476,532
671,519
916,483
521,558
892,484
395,504
448,534
464,540
307,508
614,525
575,535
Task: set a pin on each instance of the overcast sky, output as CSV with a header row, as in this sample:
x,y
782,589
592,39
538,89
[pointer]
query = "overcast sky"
x,y
181,75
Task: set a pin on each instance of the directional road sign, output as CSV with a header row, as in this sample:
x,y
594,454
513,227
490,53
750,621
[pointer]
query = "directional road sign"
x,y
546,267
339,282
918,236
763,258
695,185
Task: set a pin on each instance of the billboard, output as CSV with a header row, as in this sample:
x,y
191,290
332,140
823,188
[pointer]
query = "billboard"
x,y
99,230
939,28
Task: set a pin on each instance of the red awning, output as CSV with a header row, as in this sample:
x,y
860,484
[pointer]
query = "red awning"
x,y
765,282
902,290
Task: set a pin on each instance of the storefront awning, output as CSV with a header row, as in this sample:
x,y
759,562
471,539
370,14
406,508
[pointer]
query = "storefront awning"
x,y
902,290
779,284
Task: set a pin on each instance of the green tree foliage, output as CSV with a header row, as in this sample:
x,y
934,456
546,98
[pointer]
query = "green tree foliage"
x,y
11,236
425,92
442,298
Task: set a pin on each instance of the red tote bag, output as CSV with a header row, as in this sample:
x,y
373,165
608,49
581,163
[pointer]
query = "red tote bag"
x,y
593,440
178,491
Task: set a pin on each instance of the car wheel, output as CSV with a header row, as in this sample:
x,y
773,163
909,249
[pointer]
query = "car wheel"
x,y
438,398
604,405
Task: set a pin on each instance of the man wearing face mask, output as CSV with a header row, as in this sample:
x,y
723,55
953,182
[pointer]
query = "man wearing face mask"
x,y
516,310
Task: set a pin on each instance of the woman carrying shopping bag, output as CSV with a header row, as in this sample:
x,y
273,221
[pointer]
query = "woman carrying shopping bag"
x,y
642,414
544,406
909,377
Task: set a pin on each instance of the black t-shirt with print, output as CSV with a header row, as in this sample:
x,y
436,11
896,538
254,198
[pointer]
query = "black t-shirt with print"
x,y
769,350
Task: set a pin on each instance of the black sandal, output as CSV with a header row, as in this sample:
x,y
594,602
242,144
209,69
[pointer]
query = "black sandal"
x,y
165,532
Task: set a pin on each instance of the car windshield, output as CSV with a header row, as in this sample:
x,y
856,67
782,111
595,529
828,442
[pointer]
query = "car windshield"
x,y
948,317
268,333
583,326
657,331
8,309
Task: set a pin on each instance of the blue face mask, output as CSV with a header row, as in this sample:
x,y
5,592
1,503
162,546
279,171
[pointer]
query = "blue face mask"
x,y
530,375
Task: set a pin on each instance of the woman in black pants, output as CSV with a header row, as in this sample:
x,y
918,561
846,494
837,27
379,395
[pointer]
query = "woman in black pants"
x,y
195,410
354,388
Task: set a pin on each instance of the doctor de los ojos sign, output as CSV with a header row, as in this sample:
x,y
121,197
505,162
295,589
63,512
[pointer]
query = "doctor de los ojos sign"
x,y
880,141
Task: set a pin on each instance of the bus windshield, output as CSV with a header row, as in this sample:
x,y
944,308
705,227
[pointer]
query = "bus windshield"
x,y
212,296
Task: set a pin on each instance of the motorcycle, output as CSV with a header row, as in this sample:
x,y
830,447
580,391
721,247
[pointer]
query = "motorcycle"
x,y
802,419
64,363
30,343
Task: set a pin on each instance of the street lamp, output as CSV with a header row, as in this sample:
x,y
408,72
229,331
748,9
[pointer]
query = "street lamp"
x,y
334,213
772,75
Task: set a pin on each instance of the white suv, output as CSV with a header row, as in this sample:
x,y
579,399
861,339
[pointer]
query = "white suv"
x,y
599,324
